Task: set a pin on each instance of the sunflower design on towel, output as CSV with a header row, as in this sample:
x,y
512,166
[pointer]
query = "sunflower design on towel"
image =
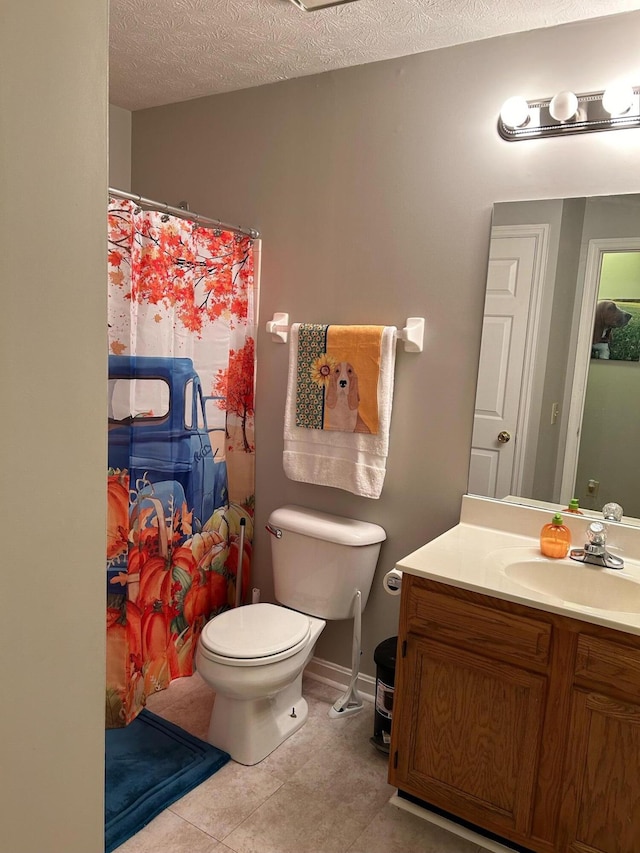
x,y
338,372
322,369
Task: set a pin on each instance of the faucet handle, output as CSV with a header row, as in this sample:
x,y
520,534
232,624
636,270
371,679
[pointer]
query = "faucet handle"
x,y
597,533
612,512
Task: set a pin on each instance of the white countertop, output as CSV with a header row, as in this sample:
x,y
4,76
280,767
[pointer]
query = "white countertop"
x,y
474,555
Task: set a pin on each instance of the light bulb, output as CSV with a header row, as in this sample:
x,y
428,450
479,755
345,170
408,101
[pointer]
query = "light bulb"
x,y
515,112
617,99
563,106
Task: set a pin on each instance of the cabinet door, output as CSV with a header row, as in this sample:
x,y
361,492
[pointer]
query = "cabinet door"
x,y
468,734
601,804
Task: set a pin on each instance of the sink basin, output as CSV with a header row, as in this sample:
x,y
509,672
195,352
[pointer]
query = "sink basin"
x,y
571,581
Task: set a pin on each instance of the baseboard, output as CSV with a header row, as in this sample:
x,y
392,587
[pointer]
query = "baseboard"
x,y
451,826
340,677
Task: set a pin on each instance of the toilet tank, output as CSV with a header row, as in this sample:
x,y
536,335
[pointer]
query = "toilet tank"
x,y
320,560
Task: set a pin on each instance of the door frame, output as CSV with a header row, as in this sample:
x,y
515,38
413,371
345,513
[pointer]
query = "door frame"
x,y
595,250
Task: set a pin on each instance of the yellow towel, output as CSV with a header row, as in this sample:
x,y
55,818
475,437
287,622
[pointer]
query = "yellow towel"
x,y
338,371
354,461
355,351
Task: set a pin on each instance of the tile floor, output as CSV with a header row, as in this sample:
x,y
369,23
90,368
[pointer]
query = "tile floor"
x,y
323,790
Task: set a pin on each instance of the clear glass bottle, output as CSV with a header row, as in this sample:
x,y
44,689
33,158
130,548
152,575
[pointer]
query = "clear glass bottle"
x,y
555,538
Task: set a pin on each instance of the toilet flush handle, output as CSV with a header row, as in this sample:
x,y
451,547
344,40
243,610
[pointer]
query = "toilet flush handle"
x,y
274,531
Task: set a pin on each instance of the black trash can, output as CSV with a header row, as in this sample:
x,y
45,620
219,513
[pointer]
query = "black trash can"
x,y
385,660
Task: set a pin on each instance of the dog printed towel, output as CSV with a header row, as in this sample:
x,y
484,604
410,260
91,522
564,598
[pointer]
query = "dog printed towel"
x,y
344,458
337,377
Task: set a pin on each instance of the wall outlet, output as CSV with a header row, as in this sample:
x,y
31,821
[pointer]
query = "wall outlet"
x,y
592,487
555,410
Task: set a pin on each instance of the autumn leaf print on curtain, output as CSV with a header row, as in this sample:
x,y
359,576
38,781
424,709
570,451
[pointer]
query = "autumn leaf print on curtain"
x,y
181,448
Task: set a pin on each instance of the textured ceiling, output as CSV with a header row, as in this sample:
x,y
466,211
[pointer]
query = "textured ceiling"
x,y
163,51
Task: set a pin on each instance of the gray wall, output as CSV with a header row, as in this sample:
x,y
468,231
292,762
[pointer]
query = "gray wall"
x,y
560,358
373,188
119,148
53,178
609,449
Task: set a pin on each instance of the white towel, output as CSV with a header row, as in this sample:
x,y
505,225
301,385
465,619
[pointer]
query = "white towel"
x,y
355,462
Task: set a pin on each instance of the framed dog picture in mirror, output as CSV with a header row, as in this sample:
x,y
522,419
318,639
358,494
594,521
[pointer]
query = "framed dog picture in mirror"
x,y
616,327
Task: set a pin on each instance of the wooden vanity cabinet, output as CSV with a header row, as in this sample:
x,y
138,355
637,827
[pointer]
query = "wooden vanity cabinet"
x,y
601,804
518,721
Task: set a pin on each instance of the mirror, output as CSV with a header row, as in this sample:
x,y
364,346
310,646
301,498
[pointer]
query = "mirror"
x,y
557,417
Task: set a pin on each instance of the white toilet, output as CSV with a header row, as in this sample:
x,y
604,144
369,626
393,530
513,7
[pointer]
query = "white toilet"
x,y
253,656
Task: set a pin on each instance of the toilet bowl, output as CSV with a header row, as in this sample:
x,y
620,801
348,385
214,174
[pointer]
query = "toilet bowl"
x,y
253,657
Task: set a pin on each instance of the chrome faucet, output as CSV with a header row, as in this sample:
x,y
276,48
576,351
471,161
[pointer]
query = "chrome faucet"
x,y
594,550
612,512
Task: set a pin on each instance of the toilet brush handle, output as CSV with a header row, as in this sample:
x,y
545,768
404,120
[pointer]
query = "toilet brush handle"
x,y
243,522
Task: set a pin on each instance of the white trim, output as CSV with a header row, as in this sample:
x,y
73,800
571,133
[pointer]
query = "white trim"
x,y
595,250
340,677
449,825
525,431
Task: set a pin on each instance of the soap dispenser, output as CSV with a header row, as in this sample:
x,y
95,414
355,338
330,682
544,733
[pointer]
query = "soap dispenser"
x,y
555,538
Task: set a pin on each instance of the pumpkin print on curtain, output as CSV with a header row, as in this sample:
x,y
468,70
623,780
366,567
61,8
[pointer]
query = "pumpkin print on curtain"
x,y
181,448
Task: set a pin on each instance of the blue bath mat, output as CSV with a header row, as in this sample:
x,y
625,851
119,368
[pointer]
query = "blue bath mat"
x,y
150,764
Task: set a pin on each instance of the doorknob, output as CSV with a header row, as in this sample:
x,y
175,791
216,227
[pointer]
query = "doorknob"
x,y
504,436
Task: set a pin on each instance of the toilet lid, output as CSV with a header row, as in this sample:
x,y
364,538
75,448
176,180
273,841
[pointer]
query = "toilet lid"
x,y
257,630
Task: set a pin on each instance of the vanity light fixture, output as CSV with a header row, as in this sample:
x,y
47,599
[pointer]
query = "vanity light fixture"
x,y
564,107
616,108
617,100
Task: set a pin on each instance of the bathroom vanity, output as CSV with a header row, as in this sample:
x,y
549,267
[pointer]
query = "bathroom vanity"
x,y
517,708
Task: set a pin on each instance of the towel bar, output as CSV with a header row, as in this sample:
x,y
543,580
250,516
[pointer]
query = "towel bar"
x,y
412,334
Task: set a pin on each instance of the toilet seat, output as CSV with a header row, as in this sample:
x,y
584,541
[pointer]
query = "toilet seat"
x,y
255,634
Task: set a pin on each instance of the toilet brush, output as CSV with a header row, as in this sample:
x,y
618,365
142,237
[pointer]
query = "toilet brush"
x,y
243,522
351,701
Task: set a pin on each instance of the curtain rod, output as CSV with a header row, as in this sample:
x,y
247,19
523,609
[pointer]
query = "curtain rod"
x,y
184,214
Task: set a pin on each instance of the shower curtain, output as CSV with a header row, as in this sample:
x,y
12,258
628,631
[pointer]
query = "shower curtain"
x,y
181,334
